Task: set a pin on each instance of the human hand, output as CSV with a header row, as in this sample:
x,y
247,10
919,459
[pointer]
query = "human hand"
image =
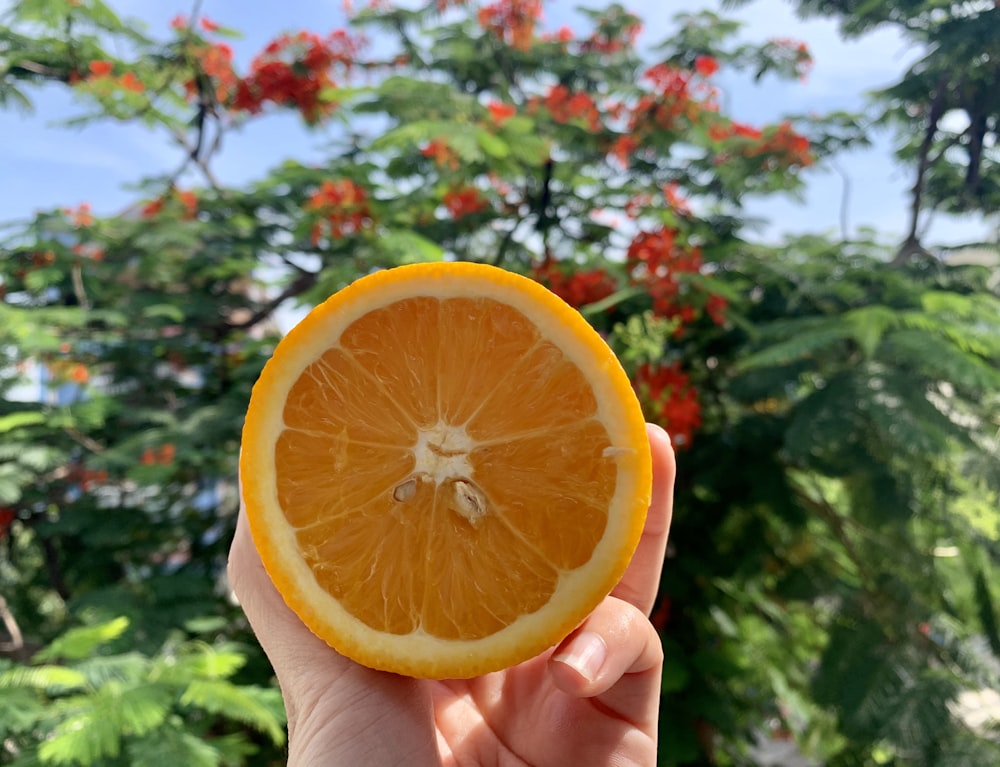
x,y
593,700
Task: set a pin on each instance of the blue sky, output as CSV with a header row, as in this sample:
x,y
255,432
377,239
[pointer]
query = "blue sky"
x,y
45,165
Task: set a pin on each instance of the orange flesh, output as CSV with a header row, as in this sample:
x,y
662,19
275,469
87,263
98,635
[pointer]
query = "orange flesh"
x,y
402,446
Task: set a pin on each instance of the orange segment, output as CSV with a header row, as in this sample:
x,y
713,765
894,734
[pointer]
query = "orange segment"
x,y
398,345
445,469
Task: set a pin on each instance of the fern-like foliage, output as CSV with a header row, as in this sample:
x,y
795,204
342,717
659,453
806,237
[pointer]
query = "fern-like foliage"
x,y
95,707
858,394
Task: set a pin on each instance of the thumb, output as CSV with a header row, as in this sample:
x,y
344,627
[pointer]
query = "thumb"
x,y
615,656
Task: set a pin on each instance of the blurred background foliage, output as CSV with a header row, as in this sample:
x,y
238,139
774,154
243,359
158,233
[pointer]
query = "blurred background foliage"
x,y
830,588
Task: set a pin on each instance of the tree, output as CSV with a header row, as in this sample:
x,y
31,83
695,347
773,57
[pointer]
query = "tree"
x,y
944,109
470,131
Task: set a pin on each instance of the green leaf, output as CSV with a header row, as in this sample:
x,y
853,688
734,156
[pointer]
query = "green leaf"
x,y
939,358
172,746
404,246
126,668
869,324
80,642
813,339
98,723
20,420
170,312
987,611
256,707
492,145
198,661
20,711
614,299
52,679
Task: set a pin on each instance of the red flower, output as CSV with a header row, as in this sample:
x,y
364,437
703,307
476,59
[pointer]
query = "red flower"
x,y
190,202
100,68
623,149
718,132
442,154
91,477
208,25
343,209
501,112
82,216
746,131
152,208
706,66
675,200
564,34
667,393
715,307
7,517
179,22
79,373
464,201
658,260
166,454
513,21
130,82
566,106
217,62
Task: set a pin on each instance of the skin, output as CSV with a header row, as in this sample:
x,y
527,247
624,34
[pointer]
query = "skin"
x,y
551,711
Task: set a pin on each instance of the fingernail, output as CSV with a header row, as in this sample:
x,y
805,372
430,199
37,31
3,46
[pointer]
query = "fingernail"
x,y
664,432
585,654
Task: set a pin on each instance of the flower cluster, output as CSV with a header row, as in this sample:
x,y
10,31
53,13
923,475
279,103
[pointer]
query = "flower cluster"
x,y
577,288
216,63
567,106
658,260
161,456
513,21
294,70
342,207
668,396
786,146
442,154
673,98
80,216
101,72
780,147
186,200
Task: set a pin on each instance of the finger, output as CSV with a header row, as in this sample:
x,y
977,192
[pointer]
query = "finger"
x,y
641,580
616,656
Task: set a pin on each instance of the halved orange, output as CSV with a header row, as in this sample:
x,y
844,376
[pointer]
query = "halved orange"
x,y
445,469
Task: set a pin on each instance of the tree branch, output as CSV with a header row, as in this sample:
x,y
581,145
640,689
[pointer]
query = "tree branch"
x,y
13,630
911,246
301,284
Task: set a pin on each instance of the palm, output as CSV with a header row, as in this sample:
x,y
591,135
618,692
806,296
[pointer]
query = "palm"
x,y
520,717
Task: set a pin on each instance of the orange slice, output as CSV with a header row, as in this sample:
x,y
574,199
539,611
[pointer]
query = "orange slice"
x,y
445,469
